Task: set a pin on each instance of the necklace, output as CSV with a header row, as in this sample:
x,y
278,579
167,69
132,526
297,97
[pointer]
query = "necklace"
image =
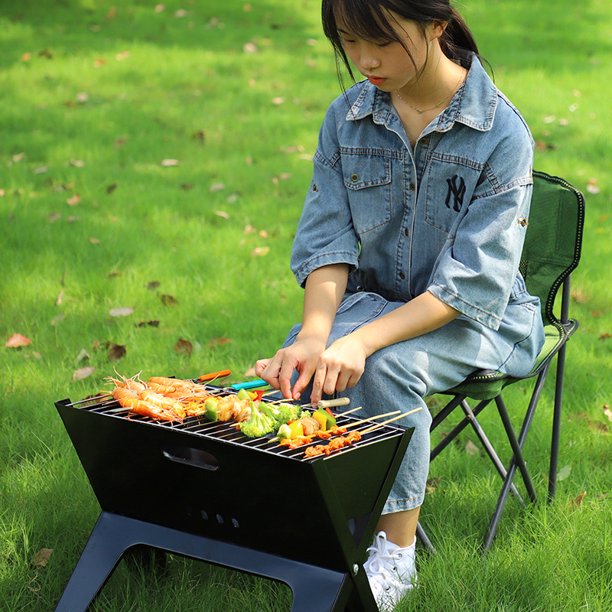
x,y
430,108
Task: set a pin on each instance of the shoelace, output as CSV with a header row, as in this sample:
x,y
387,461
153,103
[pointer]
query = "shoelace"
x,y
380,561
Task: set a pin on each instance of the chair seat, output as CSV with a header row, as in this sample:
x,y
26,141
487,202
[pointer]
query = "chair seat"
x,y
488,384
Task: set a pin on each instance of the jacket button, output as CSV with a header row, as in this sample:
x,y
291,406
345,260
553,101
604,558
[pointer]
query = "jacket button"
x,y
402,275
411,186
354,178
406,232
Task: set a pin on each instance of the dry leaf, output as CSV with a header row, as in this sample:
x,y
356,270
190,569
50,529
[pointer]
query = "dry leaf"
x,y
152,285
160,8
219,341
183,346
592,186
82,356
82,97
77,163
576,503
41,170
579,296
169,163
250,47
278,101
116,351
82,373
564,472
121,312
74,200
17,341
122,55
60,298
605,336
260,251
471,448
111,188
153,323
94,240
186,186
432,485
168,300
199,135
222,214
41,558
607,412
216,187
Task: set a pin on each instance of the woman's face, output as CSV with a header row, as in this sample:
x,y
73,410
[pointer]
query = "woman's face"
x,y
388,65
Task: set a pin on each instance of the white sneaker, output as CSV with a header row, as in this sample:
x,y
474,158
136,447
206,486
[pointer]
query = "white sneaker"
x,y
391,571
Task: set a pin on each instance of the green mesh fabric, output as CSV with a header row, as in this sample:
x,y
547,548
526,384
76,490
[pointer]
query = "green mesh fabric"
x,y
552,250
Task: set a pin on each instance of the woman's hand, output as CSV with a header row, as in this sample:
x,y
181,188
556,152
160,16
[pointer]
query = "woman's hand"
x,y
303,355
340,367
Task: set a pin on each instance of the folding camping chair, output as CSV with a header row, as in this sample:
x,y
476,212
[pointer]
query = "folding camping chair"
x,y
551,252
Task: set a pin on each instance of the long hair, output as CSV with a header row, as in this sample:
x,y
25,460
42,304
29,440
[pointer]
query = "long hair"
x,y
371,20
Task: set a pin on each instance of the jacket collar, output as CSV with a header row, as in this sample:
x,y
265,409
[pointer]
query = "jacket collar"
x,y
473,105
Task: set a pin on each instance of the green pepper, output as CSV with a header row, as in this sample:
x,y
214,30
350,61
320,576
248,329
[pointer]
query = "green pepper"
x,y
211,405
243,394
331,420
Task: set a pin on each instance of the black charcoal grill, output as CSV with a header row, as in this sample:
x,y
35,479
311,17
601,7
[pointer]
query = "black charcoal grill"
x,y
206,491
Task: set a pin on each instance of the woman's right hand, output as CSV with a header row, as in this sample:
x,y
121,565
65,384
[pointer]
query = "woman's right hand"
x,y
303,355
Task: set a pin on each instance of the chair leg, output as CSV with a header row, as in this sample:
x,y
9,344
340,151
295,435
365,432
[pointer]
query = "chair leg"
x,y
501,500
499,466
556,425
425,539
516,448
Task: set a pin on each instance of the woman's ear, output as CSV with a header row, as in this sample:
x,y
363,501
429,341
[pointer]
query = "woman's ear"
x,y
436,29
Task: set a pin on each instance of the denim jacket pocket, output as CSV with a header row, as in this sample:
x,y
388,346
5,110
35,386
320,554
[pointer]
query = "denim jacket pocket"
x,y
367,178
449,181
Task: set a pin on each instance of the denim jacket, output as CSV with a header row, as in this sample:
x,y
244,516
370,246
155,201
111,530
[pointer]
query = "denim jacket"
x,y
448,216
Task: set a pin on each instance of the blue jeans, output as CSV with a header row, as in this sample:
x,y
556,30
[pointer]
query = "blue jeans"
x,y
400,376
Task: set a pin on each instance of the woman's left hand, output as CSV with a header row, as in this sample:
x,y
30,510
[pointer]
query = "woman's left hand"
x,y
340,367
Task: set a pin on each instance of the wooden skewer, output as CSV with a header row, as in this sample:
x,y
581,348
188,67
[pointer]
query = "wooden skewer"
x,y
370,419
379,425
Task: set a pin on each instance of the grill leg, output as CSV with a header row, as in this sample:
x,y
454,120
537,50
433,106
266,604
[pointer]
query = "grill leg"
x,y
99,558
314,588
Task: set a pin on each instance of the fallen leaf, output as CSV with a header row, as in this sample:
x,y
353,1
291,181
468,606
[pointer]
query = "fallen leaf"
x,y
199,135
186,186
41,170
180,13
82,356
122,55
121,312
605,336
168,300
607,412
564,472
111,188
74,200
169,163
260,251
222,214
77,163
592,186
94,240
216,187
579,296
152,285
116,352
471,448
82,373
82,97
577,502
278,101
41,558
17,341
160,8
183,346
219,341
250,47
45,53
153,323
26,57
432,485
53,217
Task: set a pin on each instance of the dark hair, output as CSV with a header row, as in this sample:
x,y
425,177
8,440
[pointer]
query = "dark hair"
x,y
371,20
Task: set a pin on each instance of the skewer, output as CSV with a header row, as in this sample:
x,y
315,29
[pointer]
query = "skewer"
x,y
331,403
379,425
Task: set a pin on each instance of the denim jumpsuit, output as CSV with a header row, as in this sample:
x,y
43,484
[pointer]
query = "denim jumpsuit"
x,y
448,216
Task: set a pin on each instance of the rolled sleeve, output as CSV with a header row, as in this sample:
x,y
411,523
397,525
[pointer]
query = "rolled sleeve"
x,y
325,233
477,268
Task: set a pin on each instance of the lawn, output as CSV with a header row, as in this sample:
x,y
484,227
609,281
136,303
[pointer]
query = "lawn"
x,y
153,163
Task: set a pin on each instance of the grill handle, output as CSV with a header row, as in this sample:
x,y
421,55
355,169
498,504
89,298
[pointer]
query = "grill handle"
x,y
192,456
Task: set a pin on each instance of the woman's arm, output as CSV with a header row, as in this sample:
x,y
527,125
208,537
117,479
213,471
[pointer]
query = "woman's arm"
x,y
342,364
323,292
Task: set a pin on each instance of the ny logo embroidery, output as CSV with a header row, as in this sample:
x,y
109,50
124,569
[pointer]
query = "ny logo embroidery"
x,y
456,190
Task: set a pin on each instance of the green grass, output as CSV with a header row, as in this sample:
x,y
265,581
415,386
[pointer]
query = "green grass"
x,y
92,100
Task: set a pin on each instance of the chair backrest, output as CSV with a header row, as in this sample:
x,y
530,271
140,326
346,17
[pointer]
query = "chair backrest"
x,y
554,239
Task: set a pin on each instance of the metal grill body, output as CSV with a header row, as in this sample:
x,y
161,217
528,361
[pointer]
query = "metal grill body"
x,y
204,490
